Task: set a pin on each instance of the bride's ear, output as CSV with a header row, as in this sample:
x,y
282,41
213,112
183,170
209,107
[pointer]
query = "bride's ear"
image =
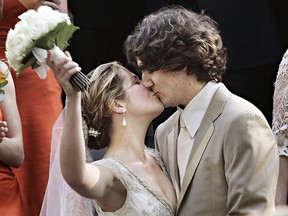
x,y
118,106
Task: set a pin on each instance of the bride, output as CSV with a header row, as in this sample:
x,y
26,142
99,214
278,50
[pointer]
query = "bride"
x,y
117,109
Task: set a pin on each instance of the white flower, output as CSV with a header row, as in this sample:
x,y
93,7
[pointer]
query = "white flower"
x,y
35,34
40,55
16,53
32,26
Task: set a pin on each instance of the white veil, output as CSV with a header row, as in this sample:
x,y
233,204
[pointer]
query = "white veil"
x,y
60,199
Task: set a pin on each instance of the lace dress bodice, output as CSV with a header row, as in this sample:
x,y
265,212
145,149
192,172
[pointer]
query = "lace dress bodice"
x,y
140,200
280,107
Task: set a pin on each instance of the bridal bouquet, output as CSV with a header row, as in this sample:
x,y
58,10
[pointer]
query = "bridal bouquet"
x,y
37,32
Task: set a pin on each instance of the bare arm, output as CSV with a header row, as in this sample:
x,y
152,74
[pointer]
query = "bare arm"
x,y
95,182
11,147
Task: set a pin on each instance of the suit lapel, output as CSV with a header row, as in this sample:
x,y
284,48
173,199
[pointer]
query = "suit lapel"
x,y
196,154
172,152
203,136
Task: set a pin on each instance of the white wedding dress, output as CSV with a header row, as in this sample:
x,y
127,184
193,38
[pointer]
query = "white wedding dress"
x,y
141,199
61,200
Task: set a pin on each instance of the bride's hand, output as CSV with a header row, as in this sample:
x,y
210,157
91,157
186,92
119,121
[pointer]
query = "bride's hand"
x,y
64,69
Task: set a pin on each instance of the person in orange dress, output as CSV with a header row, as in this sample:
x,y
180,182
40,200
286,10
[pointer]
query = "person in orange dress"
x,y
11,148
39,102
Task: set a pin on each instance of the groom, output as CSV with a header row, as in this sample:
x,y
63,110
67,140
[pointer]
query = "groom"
x,y
228,165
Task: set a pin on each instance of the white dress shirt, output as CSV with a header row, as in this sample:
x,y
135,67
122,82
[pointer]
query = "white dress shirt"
x,y
192,116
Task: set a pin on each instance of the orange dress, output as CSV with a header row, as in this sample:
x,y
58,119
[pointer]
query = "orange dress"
x,y
10,199
39,103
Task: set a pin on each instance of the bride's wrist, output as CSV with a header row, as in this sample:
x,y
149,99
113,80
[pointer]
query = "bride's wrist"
x,y
73,98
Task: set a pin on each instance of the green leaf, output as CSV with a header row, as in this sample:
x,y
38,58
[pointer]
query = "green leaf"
x,y
29,63
3,84
35,65
59,36
28,53
27,57
64,34
47,42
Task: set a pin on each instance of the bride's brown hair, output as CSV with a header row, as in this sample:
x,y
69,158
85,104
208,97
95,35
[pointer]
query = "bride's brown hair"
x,y
107,85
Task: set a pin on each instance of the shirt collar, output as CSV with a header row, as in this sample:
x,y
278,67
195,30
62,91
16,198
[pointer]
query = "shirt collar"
x,y
197,107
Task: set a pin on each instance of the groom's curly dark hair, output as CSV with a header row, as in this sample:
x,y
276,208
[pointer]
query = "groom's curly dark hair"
x,y
175,38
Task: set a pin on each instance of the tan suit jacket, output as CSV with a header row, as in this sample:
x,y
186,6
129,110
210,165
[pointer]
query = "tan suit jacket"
x,y
237,168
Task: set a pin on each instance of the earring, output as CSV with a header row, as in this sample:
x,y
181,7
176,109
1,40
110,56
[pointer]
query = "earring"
x,y
124,123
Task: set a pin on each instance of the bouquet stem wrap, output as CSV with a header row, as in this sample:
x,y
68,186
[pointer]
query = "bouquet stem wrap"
x,y
79,81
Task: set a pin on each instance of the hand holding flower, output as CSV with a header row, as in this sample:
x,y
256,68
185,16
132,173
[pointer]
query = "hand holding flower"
x,y
34,35
64,68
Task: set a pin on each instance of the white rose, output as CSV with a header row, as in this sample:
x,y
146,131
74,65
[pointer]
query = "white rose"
x,y
14,63
52,17
21,27
29,16
32,25
37,29
16,44
45,10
